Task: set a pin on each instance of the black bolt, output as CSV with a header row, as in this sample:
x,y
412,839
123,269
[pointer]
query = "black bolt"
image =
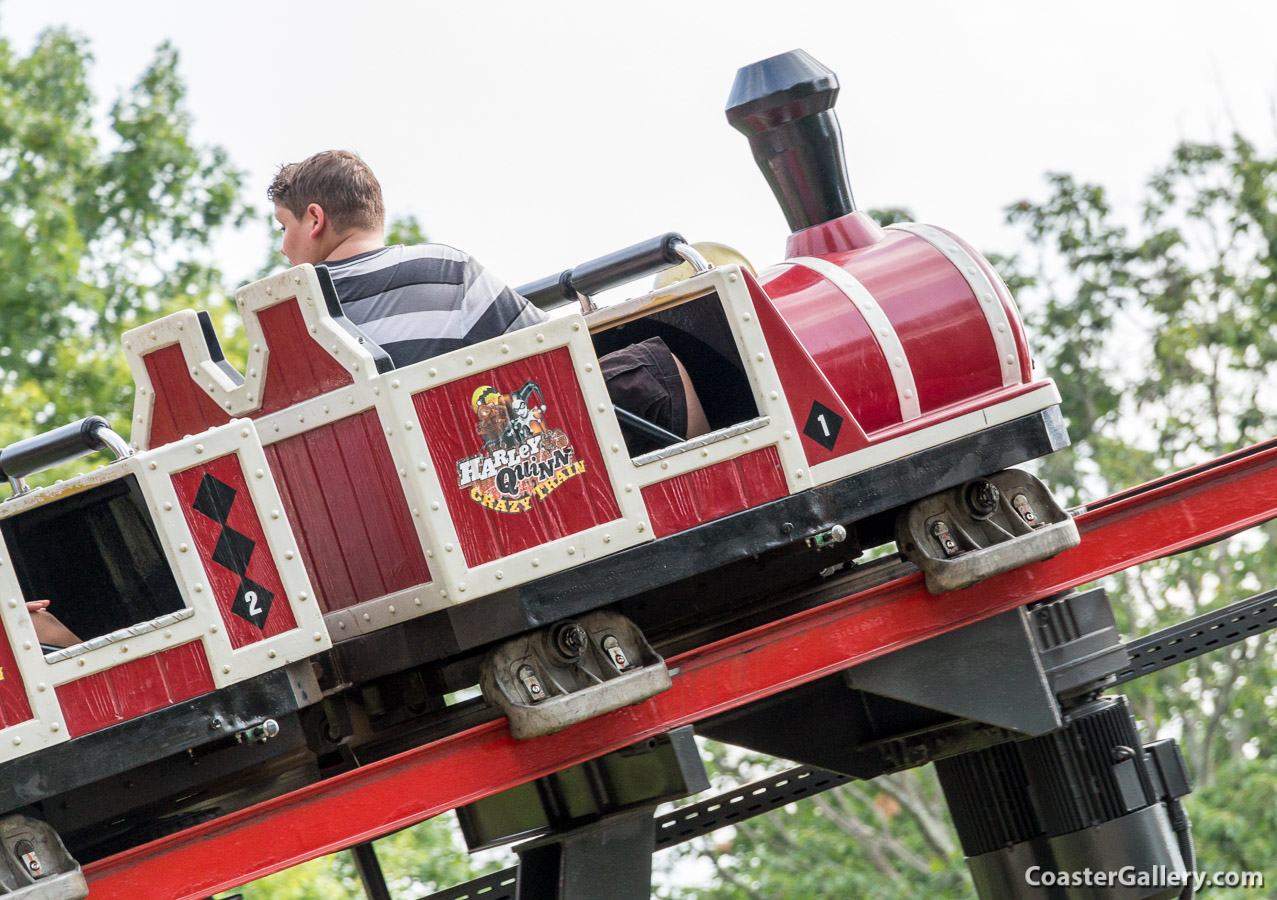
x,y
982,498
570,640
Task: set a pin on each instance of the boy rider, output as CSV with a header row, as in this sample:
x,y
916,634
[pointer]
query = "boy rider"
x,y
417,302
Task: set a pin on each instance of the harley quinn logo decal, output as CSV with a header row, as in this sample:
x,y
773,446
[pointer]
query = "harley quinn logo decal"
x,y
522,460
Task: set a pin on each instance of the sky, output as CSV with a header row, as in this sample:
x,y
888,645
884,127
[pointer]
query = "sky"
x,y
539,135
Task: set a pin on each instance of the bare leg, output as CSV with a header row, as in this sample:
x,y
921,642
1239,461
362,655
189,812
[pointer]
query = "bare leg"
x,y
697,424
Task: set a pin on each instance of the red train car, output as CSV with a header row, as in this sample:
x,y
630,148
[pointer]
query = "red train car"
x,y
292,565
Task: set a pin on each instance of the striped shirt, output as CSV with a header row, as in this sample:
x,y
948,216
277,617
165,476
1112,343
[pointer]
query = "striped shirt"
x,y
417,302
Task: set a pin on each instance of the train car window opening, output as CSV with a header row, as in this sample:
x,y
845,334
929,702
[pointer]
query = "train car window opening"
x,y
57,654
96,555
697,332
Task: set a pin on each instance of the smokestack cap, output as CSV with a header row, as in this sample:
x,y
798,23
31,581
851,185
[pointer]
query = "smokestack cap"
x,y
779,89
784,105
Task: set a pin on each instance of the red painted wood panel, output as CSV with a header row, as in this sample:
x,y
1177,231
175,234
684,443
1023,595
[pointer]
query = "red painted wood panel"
x,y
762,476
804,383
139,687
298,368
697,497
186,671
304,505
163,426
384,516
546,511
715,491
88,704
135,688
392,499
181,407
223,582
14,707
669,507
341,505
438,414
342,493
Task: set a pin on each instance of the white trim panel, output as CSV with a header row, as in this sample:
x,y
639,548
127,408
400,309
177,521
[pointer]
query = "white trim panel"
x,y
382,612
316,412
183,328
47,727
1033,401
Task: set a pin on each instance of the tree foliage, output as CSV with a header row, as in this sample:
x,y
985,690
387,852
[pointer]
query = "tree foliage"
x,y
1162,338
416,862
1161,334
890,838
103,224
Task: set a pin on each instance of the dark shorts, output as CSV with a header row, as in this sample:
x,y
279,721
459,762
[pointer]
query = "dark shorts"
x,y
643,379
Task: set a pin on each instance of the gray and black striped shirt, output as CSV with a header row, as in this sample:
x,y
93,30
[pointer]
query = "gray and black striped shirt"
x,y
418,302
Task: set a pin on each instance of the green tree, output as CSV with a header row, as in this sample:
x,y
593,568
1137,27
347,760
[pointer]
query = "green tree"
x,y
890,838
416,861
1162,339
106,225
96,234
405,230
1162,336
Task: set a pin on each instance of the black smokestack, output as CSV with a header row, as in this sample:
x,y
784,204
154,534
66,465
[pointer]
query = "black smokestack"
x,y
784,105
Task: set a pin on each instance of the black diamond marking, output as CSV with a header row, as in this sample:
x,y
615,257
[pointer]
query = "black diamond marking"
x,y
233,550
252,602
823,425
214,499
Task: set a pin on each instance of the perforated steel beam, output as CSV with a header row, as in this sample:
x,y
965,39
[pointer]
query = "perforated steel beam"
x,y
1155,520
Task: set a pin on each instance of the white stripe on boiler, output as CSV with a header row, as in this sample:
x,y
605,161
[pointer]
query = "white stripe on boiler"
x,y
879,325
995,313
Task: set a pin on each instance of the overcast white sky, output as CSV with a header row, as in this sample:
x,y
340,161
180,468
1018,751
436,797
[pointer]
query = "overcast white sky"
x,y
537,135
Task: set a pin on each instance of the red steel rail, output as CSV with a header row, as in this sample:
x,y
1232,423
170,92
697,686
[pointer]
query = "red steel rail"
x,y
1158,519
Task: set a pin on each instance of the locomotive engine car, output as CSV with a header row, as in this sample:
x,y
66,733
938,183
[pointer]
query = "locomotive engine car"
x,y
317,549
